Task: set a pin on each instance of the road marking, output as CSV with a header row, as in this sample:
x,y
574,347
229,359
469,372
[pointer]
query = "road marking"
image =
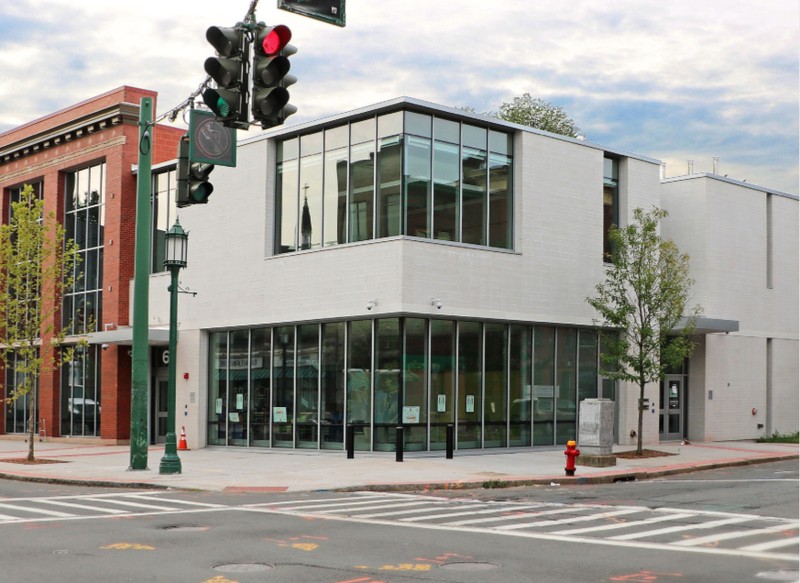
x,y
509,516
674,529
633,523
36,510
376,507
465,509
732,535
569,520
775,544
82,506
137,504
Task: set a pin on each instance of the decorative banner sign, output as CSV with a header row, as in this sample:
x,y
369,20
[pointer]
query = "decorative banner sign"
x,y
330,11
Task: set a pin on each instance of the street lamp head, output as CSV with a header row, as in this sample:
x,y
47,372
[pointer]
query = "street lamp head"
x,y
177,244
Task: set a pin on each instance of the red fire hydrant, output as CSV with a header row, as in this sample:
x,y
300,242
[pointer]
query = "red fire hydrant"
x,y
571,452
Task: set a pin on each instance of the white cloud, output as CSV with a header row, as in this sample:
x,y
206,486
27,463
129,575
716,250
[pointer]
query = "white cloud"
x,y
675,70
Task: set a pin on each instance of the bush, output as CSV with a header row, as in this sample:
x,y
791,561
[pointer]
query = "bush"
x,y
781,438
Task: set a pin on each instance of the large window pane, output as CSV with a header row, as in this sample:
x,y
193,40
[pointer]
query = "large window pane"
x,y
361,191
217,388
307,385
260,394
283,372
287,207
335,230
388,379
446,183
587,365
470,365
544,352
442,381
566,356
332,386
238,398
500,201
359,382
311,202
473,196
418,186
610,202
390,160
496,382
520,386
415,391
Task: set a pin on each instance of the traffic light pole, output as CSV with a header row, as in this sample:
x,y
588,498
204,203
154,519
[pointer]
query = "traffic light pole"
x,y
141,290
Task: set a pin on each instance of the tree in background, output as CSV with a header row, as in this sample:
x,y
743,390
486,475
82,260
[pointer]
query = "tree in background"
x,y
642,300
535,113
37,266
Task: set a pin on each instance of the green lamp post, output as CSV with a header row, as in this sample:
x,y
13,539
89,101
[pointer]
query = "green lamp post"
x,y
177,243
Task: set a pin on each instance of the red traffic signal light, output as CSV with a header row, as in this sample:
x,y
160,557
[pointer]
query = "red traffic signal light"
x,y
275,40
270,99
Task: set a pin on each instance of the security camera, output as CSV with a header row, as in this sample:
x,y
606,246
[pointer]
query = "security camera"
x,y
371,304
437,303
104,346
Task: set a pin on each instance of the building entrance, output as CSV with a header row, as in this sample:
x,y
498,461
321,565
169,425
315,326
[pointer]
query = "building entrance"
x,y
159,393
671,408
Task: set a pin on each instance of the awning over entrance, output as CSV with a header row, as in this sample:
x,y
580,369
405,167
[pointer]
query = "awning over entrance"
x,y
124,336
705,325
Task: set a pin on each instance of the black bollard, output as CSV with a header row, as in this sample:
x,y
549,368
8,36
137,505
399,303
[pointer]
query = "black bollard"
x,y
398,448
350,441
450,440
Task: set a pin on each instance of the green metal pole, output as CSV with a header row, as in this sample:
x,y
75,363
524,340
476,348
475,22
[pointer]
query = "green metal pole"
x,y
171,463
141,284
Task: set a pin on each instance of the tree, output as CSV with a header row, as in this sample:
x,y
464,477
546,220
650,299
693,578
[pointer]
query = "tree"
x,y
539,114
37,265
642,300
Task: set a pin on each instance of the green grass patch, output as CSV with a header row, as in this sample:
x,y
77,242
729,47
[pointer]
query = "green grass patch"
x,y
781,438
495,484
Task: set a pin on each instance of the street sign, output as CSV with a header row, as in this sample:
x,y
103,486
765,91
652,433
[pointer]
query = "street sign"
x,y
330,11
211,142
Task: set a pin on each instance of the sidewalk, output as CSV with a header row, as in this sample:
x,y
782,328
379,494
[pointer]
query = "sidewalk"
x,y
241,469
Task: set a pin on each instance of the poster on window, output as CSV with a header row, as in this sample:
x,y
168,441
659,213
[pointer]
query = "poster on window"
x,y
279,414
470,403
410,414
441,403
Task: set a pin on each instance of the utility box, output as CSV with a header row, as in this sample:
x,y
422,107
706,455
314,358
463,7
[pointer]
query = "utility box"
x,y
596,433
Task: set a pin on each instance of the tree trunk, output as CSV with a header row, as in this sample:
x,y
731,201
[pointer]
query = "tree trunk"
x,y
641,415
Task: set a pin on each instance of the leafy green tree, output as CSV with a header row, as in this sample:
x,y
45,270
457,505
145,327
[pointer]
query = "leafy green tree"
x,y
535,113
539,114
642,300
37,265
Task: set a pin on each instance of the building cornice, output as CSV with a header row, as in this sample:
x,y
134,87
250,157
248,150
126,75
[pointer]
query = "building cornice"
x,y
96,121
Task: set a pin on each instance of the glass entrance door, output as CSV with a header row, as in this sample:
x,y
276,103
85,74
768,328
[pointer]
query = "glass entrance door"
x,y
160,401
671,408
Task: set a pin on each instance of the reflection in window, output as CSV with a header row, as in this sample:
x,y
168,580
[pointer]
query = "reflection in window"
x,y
544,353
388,380
359,381
470,367
442,381
610,202
566,365
164,214
495,381
421,178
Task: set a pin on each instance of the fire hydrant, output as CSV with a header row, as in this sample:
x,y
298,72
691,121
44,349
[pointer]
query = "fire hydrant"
x,y
571,452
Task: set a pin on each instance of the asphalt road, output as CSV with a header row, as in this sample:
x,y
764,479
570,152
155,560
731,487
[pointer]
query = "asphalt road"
x,y
690,528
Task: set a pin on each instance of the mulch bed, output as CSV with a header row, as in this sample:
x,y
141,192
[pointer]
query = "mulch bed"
x,y
645,453
36,461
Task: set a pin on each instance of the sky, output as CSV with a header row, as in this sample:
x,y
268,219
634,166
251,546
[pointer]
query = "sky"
x,y
677,81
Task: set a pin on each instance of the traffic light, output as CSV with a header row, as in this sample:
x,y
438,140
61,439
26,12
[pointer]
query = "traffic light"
x,y
193,184
230,72
271,52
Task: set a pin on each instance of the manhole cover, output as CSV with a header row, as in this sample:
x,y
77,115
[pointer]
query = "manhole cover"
x,y
779,575
470,566
243,567
186,528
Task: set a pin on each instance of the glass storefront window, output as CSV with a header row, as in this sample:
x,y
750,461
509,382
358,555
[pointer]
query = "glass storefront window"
x,y
362,190
335,203
311,201
442,381
238,379
495,383
544,352
470,390
260,394
415,359
217,388
283,376
587,365
388,380
307,385
520,386
332,386
446,187
390,205
359,382
566,368
473,196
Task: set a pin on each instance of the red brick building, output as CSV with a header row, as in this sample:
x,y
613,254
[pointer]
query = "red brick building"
x,y
80,160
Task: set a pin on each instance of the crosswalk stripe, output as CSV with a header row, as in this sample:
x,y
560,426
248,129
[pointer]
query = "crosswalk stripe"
x,y
374,507
598,516
510,514
37,510
119,502
624,524
303,503
82,506
464,509
674,529
425,508
775,544
175,501
736,534
332,504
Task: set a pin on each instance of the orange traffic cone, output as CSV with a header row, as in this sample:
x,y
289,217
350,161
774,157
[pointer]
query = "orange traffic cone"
x,y
182,442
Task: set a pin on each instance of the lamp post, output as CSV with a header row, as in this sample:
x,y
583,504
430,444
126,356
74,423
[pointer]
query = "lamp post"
x,y
177,243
